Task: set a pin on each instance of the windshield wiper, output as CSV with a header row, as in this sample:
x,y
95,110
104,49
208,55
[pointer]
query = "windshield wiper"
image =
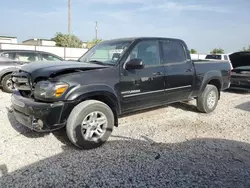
x,y
100,62
96,62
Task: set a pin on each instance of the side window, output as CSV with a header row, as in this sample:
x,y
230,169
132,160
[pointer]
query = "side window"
x,y
48,57
225,57
26,57
173,52
148,51
10,55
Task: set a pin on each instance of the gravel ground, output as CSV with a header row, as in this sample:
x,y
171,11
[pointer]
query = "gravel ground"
x,y
173,146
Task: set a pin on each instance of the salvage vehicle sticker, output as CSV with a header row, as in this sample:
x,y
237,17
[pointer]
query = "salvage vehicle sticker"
x,y
119,51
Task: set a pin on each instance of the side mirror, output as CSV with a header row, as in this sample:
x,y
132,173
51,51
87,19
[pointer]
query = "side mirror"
x,y
134,64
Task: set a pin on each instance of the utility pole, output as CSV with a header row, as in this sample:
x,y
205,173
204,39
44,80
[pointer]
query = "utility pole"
x,y
69,16
96,30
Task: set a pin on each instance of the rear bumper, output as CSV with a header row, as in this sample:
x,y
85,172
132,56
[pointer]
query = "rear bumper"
x,y
242,84
39,116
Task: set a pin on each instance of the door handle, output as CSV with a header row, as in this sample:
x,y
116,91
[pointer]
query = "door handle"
x,y
157,73
189,70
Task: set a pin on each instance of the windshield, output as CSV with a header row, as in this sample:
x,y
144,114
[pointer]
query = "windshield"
x,y
213,57
107,53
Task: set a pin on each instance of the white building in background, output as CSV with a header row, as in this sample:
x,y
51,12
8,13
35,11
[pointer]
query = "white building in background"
x,y
8,39
45,42
84,44
198,56
39,42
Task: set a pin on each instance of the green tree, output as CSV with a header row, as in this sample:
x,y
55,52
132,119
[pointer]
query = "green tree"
x,y
67,40
217,51
93,42
244,49
193,51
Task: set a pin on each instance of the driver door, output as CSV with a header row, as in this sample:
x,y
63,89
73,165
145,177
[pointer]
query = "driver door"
x,y
142,88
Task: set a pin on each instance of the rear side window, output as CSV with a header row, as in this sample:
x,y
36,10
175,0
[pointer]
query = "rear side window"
x,y
49,57
225,57
173,52
26,57
10,55
213,57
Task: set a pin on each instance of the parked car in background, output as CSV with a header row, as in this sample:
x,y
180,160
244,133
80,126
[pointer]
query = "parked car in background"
x,y
113,78
12,60
223,57
217,57
7,66
29,55
241,71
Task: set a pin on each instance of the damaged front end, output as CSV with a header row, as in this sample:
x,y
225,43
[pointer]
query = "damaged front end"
x,y
39,99
23,83
38,115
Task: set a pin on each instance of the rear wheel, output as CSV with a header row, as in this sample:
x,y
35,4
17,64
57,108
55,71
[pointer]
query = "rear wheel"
x,y
90,124
208,101
7,84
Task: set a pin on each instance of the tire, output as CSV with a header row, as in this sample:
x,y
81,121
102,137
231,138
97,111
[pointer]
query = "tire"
x,y
74,127
5,84
203,104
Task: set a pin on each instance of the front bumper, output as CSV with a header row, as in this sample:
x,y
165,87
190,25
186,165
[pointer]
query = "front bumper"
x,y
40,116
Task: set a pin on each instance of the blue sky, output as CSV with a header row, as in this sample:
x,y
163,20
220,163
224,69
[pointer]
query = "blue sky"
x,y
202,24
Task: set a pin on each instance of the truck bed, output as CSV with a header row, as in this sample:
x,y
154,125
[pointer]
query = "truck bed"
x,y
205,68
202,66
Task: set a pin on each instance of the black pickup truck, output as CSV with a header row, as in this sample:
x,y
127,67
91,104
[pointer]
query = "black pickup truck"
x,y
113,78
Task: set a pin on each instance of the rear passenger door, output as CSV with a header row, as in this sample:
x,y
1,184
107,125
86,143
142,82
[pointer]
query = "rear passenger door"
x,y
178,68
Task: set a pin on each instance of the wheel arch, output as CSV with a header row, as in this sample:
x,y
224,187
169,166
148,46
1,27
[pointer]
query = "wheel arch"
x,y
3,74
213,78
104,94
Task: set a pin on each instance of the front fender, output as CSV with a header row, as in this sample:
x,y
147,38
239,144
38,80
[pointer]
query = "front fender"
x,y
82,92
7,71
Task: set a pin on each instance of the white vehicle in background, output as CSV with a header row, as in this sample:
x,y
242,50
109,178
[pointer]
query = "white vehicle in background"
x,y
223,57
218,57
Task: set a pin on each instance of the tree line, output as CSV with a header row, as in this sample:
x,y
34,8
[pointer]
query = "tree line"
x,y
220,50
213,51
70,40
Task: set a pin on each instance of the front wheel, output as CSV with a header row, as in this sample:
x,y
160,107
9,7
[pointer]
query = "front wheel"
x,y
7,84
90,124
208,101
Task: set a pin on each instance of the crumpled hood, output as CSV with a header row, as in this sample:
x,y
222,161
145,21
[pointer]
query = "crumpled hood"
x,y
45,69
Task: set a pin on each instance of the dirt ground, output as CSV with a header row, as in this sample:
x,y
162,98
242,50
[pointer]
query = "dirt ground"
x,y
172,146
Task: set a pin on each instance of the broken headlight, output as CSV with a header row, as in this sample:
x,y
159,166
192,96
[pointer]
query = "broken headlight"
x,y
50,90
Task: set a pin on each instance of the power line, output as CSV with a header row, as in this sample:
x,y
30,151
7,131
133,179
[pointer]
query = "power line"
x,y
96,30
69,16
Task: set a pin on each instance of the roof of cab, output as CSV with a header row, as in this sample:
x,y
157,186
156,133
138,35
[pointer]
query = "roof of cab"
x,y
140,38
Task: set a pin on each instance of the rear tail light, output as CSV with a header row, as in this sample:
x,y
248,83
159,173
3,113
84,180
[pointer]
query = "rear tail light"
x,y
231,68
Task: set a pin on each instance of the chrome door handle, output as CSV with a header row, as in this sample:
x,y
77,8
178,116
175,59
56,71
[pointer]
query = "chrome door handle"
x,y
157,73
189,70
